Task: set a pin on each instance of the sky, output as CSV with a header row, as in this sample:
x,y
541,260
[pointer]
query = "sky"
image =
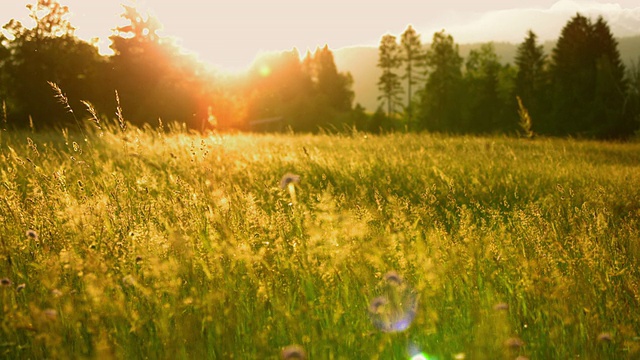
x,y
231,33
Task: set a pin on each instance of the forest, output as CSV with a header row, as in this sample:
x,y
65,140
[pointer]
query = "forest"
x,y
581,89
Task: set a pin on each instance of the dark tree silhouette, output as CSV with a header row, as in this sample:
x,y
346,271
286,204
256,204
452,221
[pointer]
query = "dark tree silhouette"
x,y
588,82
531,77
440,103
389,60
332,85
632,102
483,104
412,58
48,52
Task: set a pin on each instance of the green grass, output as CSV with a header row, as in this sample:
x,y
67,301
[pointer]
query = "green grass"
x,y
174,245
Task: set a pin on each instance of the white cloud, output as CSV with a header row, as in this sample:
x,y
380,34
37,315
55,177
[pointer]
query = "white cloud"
x,y
512,25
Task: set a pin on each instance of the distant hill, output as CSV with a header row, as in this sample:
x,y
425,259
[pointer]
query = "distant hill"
x,y
361,62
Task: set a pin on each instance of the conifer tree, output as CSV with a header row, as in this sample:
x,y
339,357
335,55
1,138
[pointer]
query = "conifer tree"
x,y
632,101
389,60
412,57
440,102
588,81
530,80
332,85
482,100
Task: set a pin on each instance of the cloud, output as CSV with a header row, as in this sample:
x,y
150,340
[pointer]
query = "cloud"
x,y
512,25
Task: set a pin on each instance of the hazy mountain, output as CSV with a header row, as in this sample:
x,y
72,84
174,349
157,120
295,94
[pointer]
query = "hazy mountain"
x,y
361,62
511,25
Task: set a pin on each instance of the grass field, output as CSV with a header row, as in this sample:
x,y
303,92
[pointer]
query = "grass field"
x,y
164,244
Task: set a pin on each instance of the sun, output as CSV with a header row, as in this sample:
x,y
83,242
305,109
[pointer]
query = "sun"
x,y
226,34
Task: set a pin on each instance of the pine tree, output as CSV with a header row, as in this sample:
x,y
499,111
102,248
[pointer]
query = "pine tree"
x,y
483,101
389,60
332,85
611,86
588,81
530,81
632,101
412,57
440,98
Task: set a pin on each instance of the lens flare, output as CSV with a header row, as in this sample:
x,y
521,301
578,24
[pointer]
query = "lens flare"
x,y
421,356
265,70
396,308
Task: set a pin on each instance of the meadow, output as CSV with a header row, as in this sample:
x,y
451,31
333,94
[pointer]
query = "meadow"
x,y
160,243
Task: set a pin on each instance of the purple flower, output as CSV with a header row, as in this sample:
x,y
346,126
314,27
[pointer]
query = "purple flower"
x,y
293,352
289,179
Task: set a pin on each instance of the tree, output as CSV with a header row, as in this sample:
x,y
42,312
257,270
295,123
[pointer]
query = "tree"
x,y
530,79
308,94
279,86
333,86
632,103
389,60
412,57
483,103
440,99
151,76
611,85
5,61
48,52
588,82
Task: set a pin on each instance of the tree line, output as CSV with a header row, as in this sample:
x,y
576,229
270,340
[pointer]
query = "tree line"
x,y
149,79
581,89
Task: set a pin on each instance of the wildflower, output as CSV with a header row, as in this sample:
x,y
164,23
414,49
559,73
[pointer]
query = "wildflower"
x,y
501,307
32,234
5,282
293,352
393,278
605,337
288,179
514,343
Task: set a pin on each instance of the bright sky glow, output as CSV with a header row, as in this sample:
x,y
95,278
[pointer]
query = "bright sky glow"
x,y
231,33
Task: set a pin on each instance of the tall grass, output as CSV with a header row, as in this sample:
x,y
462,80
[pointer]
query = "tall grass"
x,y
168,244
